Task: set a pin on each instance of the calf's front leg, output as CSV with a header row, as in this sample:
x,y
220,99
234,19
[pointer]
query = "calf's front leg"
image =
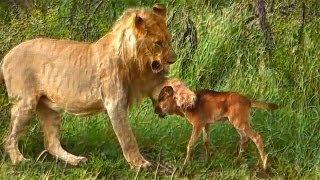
x,y
196,131
206,140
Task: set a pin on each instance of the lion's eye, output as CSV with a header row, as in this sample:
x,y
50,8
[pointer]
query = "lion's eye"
x,y
158,44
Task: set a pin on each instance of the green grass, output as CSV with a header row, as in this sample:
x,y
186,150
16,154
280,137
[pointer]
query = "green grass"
x,y
230,57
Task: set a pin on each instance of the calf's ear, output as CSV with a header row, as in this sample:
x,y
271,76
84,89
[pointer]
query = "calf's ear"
x,y
166,92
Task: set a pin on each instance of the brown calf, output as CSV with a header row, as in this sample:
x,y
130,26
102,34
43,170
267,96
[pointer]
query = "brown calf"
x,y
210,107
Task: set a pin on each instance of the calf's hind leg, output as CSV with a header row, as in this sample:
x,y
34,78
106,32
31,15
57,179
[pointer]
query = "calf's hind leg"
x,y
21,113
243,144
257,139
51,123
243,126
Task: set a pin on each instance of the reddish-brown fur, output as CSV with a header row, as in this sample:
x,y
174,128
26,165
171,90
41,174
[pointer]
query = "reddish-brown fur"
x,y
210,107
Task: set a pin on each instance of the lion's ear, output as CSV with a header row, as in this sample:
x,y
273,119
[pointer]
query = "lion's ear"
x,y
160,9
139,22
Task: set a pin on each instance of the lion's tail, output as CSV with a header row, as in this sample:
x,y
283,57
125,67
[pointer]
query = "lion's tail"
x,y
264,105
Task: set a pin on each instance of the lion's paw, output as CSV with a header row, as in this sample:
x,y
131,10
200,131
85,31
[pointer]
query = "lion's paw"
x,y
142,163
78,160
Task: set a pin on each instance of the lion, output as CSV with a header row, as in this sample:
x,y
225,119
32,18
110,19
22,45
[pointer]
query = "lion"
x,y
48,76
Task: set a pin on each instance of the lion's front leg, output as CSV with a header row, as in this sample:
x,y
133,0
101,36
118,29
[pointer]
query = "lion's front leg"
x,y
117,111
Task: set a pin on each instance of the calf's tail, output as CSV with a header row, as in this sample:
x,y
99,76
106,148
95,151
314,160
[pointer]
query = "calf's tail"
x,y
264,105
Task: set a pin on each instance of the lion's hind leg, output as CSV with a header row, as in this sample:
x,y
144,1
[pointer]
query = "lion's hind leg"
x,y
51,123
21,112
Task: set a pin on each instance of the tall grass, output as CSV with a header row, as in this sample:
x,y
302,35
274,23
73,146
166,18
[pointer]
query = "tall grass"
x,y
230,56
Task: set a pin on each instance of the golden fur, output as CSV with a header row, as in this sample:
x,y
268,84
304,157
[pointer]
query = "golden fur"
x,y
48,76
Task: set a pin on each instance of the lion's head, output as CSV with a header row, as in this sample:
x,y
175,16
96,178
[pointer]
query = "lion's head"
x,y
139,47
155,39
144,39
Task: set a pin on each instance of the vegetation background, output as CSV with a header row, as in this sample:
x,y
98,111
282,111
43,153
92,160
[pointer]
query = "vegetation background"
x,y
226,45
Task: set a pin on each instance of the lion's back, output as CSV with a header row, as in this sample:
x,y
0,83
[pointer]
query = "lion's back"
x,y
43,50
49,66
